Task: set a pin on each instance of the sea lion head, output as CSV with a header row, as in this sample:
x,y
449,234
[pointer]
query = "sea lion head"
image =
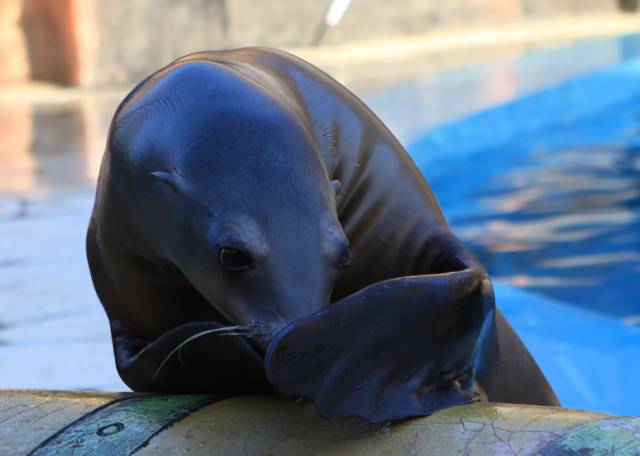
x,y
232,185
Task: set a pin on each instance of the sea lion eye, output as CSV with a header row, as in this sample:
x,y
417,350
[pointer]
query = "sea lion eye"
x,y
234,260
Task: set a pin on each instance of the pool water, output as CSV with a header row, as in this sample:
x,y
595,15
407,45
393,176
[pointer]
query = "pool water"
x,y
546,191
564,223
562,202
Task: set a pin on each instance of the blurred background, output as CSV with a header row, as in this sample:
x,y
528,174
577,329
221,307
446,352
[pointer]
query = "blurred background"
x,y
524,116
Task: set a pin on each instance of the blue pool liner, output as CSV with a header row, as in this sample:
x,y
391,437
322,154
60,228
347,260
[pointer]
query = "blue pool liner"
x,y
592,361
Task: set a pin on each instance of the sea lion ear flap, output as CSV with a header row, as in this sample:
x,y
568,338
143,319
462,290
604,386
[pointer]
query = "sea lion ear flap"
x,y
172,179
336,185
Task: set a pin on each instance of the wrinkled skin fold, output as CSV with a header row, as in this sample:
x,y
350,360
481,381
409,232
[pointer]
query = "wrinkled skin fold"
x,y
255,149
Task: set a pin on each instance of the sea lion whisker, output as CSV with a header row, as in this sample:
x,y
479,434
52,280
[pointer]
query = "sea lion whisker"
x,y
178,348
296,402
275,311
255,334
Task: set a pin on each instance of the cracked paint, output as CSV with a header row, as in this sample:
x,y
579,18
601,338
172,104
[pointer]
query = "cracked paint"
x,y
264,425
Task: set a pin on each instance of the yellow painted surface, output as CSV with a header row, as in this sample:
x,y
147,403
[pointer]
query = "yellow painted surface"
x,y
28,417
272,426
268,425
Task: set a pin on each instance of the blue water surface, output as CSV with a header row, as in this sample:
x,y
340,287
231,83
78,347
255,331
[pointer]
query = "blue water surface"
x,y
546,191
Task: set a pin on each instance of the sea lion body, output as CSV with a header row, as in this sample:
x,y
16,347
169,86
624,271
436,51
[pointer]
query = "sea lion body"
x,y
258,149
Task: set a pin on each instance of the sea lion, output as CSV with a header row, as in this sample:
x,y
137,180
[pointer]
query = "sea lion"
x,y
256,228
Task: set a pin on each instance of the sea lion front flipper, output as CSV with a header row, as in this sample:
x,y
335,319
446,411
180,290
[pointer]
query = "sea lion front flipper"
x,y
513,376
200,357
398,348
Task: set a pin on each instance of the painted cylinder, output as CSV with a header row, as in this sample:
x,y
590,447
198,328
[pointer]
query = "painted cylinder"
x,y
84,423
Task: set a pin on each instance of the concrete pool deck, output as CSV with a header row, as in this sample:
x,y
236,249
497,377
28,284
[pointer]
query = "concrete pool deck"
x,y
53,333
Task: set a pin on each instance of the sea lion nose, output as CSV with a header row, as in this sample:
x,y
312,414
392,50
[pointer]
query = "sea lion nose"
x,y
260,336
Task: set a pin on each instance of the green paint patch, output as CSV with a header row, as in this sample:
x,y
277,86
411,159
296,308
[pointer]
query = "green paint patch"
x,y
615,435
123,426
